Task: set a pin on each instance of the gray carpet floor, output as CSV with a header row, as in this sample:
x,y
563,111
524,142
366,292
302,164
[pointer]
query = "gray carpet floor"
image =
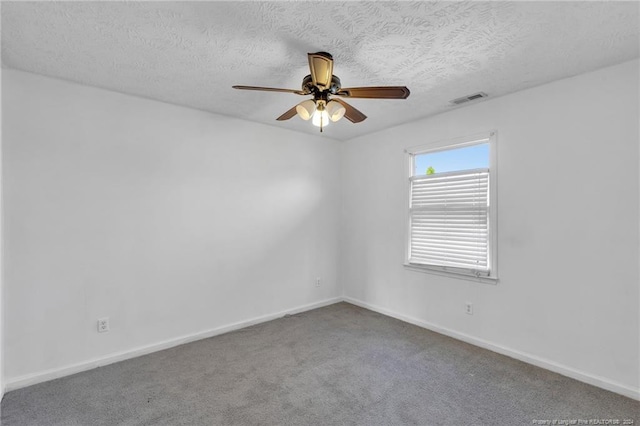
x,y
337,365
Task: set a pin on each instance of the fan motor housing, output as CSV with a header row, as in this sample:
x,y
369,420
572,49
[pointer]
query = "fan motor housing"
x,y
309,87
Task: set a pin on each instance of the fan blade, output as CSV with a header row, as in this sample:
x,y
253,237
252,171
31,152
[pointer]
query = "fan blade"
x,y
287,115
352,114
321,66
270,89
375,92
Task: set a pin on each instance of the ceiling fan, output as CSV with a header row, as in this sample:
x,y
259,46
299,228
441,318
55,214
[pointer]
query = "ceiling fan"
x,y
322,85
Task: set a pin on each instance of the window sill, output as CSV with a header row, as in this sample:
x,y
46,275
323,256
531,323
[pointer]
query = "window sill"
x,y
450,274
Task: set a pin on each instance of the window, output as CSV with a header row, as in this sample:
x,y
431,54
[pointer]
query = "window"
x,y
451,207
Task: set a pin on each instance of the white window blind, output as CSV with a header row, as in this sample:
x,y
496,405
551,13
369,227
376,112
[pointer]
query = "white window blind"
x,y
449,221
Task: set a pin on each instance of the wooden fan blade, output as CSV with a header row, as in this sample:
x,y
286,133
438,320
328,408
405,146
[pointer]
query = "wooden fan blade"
x,y
270,89
375,92
352,114
287,115
321,66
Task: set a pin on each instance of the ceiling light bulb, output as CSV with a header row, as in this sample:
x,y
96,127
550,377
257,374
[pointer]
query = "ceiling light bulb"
x,y
320,118
335,110
306,109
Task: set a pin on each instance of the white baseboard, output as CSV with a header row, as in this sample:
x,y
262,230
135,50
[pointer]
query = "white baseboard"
x,y
44,376
582,376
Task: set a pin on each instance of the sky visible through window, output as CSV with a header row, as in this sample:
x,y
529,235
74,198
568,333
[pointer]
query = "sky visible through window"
x,y
468,157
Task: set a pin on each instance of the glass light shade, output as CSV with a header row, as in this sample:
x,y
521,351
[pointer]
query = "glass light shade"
x,y
335,110
320,118
306,109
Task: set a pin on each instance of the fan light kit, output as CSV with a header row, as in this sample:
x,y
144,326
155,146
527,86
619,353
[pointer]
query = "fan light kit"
x,y
322,84
320,113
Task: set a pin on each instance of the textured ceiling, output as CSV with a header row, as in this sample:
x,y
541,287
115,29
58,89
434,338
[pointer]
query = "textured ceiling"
x,y
191,53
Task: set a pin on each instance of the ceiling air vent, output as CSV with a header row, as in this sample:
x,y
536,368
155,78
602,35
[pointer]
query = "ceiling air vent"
x,y
469,98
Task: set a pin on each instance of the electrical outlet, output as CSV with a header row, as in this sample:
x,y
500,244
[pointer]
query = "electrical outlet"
x,y
468,308
318,282
103,325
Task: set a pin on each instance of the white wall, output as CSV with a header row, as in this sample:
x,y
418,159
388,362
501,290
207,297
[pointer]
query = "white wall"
x,y
172,221
1,270
168,220
567,227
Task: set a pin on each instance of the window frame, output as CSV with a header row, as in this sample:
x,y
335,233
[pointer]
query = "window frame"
x,y
489,137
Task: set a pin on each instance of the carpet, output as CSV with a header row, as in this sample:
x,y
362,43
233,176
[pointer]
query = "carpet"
x,y
337,365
